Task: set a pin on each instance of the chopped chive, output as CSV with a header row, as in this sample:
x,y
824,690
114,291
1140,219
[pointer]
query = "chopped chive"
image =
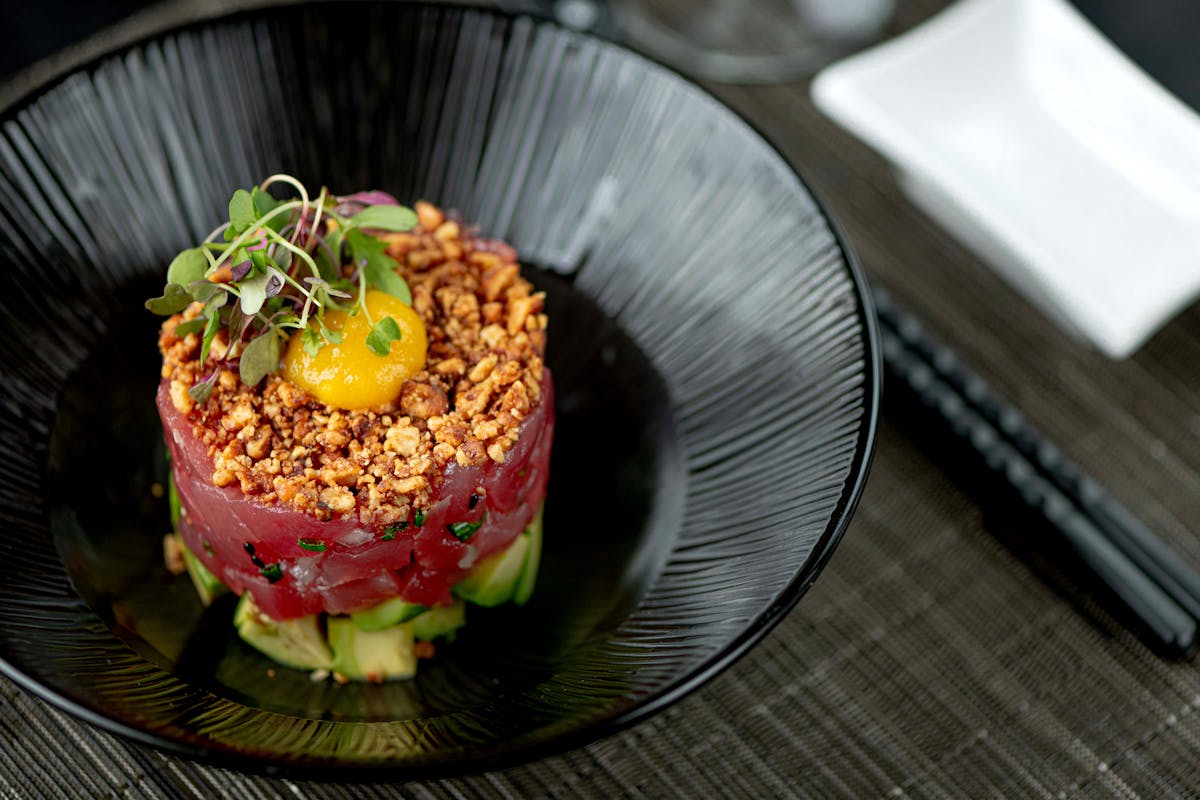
x,y
464,530
272,572
419,517
315,545
390,532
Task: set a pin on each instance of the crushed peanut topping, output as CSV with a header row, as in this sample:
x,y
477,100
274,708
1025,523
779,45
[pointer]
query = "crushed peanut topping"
x,y
482,377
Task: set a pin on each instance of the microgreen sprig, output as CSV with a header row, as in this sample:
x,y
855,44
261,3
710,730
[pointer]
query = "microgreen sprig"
x,y
281,266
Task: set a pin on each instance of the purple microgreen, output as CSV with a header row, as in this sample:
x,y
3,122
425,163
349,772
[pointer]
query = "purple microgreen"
x,y
383,333
267,262
371,197
275,282
174,299
260,358
201,391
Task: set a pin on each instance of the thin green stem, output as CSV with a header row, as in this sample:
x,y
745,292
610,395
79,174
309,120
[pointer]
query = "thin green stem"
x,y
316,218
362,297
308,259
253,229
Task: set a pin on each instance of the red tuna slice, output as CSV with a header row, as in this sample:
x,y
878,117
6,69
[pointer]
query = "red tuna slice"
x,y
358,568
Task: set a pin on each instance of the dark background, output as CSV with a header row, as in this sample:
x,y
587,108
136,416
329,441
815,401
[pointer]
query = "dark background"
x,y
1161,35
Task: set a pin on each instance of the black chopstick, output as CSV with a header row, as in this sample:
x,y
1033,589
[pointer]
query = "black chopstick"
x,y
1153,583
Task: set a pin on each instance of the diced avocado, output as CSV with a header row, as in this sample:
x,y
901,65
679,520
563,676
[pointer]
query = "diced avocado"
x,y
207,585
494,580
533,559
173,500
294,642
372,655
440,621
386,614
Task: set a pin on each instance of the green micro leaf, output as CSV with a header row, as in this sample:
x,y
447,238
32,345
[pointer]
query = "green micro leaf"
x,y
388,281
385,218
194,325
188,266
330,335
379,268
203,290
331,271
210,331
174,299
264,204
254,292
241,212
383,333
312,341
260,357
258,258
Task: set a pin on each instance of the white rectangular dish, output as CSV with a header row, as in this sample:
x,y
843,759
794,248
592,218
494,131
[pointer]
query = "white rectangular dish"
x,y
1022,129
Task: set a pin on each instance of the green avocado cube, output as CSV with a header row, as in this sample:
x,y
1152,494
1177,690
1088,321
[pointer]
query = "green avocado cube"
x,y
533,559
494,580
386,614
296,643
440,622
372,655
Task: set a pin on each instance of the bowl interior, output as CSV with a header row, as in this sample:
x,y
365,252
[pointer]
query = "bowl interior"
x,y
715,372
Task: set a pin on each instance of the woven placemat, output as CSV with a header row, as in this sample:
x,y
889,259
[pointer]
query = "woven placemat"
x,y
928,660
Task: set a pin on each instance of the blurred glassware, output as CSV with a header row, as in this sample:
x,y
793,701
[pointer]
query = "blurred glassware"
x,y
750,41
580,15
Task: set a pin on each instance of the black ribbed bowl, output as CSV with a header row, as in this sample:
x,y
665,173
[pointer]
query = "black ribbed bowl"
x,y
716,365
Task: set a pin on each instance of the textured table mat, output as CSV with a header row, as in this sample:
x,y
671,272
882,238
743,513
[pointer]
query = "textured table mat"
x,y
928,660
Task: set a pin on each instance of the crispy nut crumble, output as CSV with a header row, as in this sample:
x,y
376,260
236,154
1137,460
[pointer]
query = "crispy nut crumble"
x,y
486,335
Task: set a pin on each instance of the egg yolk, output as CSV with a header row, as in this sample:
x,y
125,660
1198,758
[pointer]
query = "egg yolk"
x,y
348,375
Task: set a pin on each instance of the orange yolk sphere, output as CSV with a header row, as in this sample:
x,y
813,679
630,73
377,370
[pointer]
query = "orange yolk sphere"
x,y
349,375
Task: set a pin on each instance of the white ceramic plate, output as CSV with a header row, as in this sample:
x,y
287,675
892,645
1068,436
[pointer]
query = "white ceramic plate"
x,y
1028,134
